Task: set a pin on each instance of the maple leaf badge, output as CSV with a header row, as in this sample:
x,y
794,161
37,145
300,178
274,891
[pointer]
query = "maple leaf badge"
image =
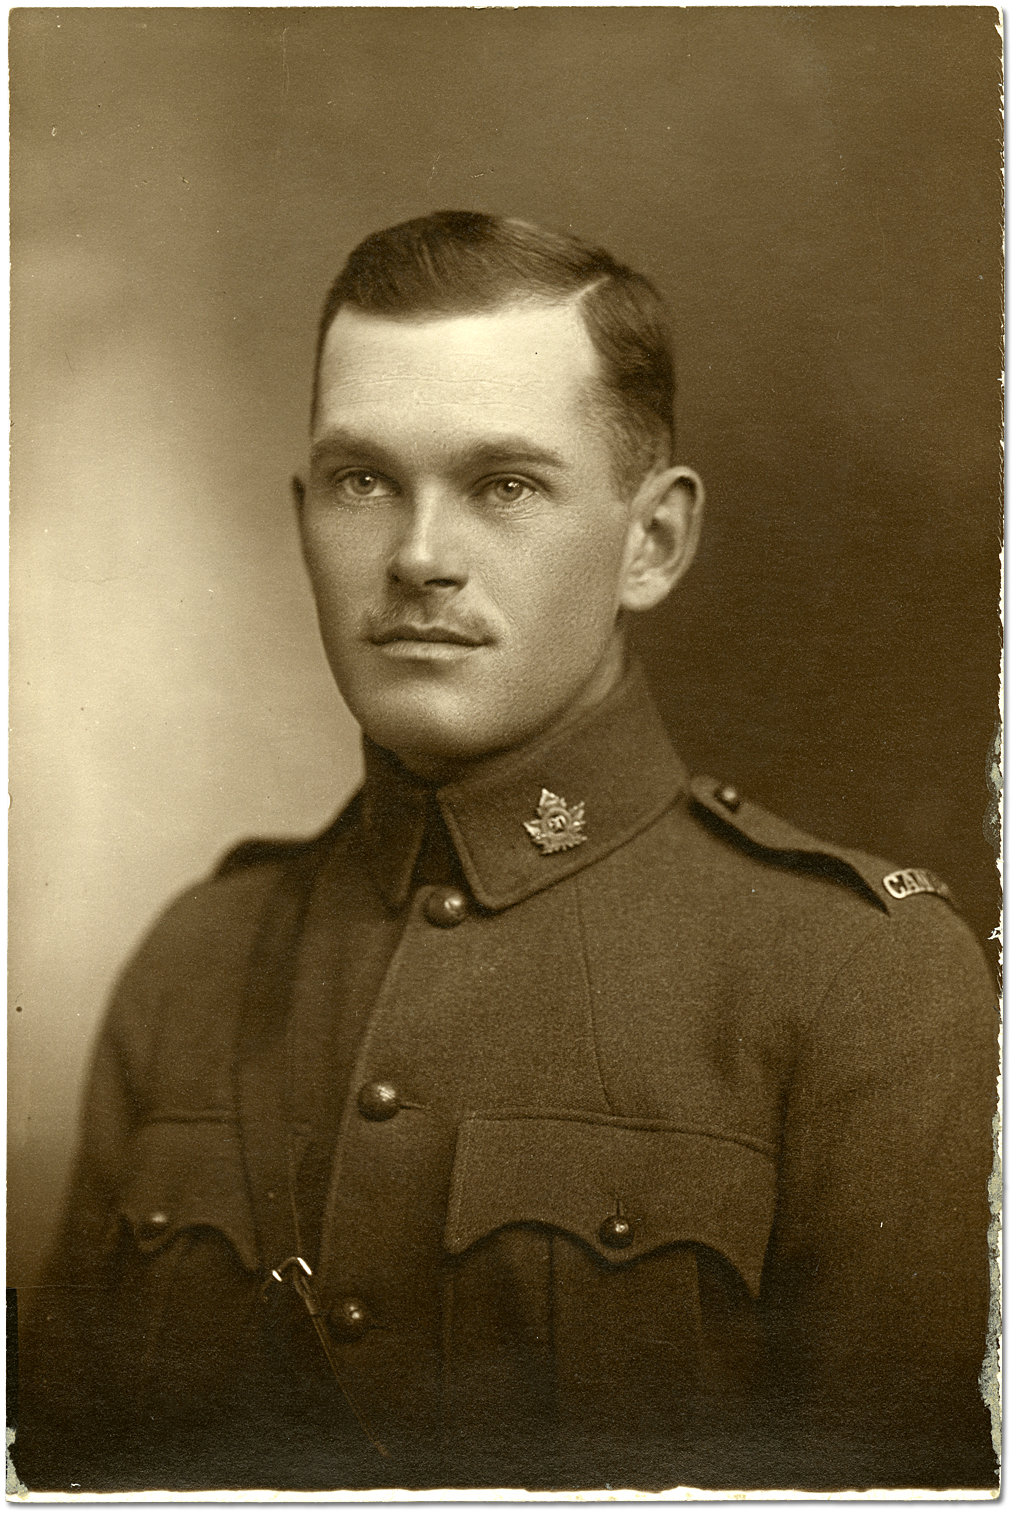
x,y
557,826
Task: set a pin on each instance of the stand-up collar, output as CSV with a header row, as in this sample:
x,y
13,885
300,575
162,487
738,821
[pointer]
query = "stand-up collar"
x,y
585,790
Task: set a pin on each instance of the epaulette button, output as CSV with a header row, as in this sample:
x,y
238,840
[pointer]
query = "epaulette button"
x,y
729,797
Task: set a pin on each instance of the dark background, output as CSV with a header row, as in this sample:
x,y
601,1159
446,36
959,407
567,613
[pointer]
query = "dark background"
x,y
817,193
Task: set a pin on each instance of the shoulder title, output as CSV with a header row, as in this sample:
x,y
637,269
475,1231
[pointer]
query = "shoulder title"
x,y
758,831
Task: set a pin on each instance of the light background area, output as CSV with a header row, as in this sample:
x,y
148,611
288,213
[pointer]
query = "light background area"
x,y
816,192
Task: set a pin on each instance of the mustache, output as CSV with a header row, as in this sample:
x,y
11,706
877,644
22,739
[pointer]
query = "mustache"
x,y
386,625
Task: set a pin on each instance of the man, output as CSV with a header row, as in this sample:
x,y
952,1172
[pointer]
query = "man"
x,y
553,1120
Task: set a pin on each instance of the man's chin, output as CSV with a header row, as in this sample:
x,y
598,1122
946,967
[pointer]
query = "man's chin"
x,y
439,738
422,732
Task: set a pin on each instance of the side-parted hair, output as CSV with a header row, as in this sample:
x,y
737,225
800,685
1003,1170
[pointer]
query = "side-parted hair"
x,y
463,262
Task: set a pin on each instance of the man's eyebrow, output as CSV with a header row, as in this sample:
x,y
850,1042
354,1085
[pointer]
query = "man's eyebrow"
x,y
496,451
339,440
487,453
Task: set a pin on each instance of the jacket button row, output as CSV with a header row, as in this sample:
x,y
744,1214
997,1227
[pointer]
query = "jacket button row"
x,y
617,1232
378,1100
446,908
348,1319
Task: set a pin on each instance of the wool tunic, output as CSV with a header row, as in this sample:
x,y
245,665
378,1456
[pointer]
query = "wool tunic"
x,y
646,1147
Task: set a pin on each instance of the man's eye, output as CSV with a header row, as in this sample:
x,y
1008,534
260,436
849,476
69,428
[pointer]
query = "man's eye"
x,y
360,485
509,490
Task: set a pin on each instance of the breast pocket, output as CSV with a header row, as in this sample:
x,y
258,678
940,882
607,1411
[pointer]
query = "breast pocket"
x,y
575,1248
186,1176
187,1273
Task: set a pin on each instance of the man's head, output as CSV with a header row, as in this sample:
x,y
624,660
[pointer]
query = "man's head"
x,y
457,263
490,484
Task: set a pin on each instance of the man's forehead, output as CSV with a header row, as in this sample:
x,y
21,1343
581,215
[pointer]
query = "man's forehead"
x,y
508,349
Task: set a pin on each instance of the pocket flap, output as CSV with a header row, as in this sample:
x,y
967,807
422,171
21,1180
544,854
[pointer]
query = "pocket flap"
x,y
669,1185
188,1175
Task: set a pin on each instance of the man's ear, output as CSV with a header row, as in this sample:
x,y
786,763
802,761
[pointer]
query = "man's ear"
x,y
297,490
665,526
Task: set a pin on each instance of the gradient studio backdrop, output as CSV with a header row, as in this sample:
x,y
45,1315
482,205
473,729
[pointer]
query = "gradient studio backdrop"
x,y
817,193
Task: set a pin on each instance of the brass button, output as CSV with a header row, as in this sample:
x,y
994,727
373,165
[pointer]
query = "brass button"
x,y
378,1100
348,1318
153,1226
446,907
729,796
616,1233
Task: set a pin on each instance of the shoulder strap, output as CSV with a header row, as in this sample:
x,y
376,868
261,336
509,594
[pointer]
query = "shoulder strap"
x,y
758,831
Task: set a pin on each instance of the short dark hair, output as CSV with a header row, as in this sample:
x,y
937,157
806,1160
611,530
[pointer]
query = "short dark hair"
x,y
456,262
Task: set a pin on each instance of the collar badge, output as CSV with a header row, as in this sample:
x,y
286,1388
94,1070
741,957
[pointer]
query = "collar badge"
x,y
557,826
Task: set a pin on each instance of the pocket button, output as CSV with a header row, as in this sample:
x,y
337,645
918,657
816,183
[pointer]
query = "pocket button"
x,y
617,1232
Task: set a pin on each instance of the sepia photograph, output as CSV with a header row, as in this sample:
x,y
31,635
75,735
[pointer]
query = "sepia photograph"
x,y
506,516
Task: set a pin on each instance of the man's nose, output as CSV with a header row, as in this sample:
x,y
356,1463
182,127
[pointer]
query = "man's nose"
x,y
430,551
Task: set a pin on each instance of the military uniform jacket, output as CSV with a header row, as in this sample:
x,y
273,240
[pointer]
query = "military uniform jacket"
x,y
662,1160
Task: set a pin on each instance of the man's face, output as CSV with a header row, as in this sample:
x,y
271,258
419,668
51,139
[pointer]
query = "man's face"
x,y
463,530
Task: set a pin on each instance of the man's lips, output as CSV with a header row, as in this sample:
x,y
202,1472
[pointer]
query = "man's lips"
x,y
433,632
